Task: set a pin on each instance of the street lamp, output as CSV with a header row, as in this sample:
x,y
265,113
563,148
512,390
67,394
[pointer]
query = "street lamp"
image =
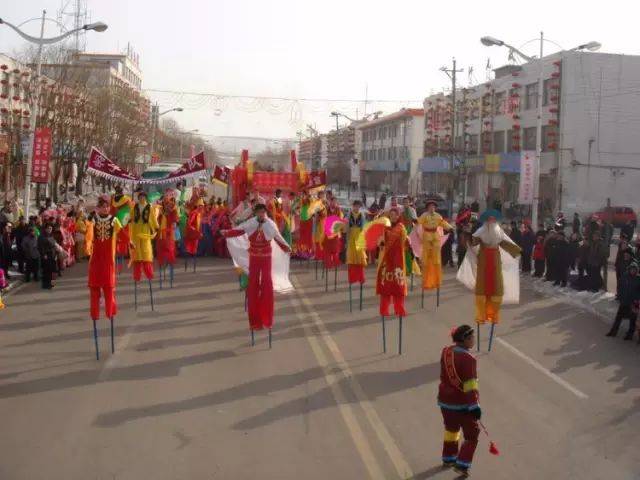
x,y
492,41
40,41
156,123
182,137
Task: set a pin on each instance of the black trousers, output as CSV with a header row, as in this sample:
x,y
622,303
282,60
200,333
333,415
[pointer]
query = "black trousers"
x,y
32,267
526,261
624,311
48,267
539,268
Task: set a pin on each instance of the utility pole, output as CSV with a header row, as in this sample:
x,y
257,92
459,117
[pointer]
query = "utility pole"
x,y
451,73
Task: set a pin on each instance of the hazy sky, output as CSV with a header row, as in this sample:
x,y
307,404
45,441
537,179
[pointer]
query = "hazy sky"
x,y
330,49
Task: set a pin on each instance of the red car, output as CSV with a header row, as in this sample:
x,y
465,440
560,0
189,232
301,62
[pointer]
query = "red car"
x,y
618,216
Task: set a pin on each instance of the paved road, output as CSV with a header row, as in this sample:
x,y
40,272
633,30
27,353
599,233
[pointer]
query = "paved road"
x,y
186,397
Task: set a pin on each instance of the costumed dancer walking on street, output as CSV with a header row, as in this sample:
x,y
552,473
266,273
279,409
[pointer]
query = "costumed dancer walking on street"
x,y
458,399
102,269
144,226
263,265
120,208
168,218
275,209
332,244
430,221
492,272
391,280
356,253
320,215
193,232
304,247
409,218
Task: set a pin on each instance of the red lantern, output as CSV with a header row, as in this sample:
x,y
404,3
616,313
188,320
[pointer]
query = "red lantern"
x,y
552,146
3,95
16,85
555,75
3,67
553,110
515,85
16,98
515,74
516,116
4,110
515,95
557,63
554,86
516,126
25,113
16,111
553,122
25,125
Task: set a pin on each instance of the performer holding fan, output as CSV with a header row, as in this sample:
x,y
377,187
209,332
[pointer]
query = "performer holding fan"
x,y
260,230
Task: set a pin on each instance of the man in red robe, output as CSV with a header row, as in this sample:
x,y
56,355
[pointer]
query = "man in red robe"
x,y
260,230
332,243
168,218
458,399
193,234
102,271
391,281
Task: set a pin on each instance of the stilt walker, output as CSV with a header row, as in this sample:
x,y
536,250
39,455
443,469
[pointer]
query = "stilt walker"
x,y
409,219
102,269
193,232
121,208
319,216
491,270
391,281
263,265
304,247
432,224
356,252
332,244
144,226
168,219
459,401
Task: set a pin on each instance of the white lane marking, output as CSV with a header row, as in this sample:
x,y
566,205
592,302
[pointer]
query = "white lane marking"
x,y
345,408
399,462
542,369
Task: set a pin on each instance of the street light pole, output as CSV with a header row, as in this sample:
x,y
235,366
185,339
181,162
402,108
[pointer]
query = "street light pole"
x,y
536,178
155,123
98,27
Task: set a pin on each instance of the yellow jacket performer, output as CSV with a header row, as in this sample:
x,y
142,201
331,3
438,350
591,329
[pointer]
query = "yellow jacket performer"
x,y
430,221
144,226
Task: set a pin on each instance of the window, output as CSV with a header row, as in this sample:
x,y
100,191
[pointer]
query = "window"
x,y
498,142
529,138
499,103
531,96
473,143
546,90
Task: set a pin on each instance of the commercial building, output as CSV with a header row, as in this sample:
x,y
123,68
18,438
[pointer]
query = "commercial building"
x,y
390,150
590,146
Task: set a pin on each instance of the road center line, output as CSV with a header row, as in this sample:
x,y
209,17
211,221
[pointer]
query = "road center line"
x,y
357,435
397,458
542,369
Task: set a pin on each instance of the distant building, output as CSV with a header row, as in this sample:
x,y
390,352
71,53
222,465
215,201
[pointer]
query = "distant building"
x,y
390,150
590,144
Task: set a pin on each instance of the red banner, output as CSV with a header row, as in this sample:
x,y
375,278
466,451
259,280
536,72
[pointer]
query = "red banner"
x,y
317,178
155,158
267,182
221,174
101,166
193,166
41,155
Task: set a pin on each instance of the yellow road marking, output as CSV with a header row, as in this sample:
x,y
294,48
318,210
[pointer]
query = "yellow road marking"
x,y
397,458
358,436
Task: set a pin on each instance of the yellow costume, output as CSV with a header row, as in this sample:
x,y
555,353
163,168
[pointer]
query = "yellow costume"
x,y
431,261
144,226
318,234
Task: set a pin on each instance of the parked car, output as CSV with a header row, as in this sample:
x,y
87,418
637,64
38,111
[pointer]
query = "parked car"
x,y
617,216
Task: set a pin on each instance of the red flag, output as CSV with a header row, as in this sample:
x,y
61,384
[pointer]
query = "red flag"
x,y
245,158
41,155
294,161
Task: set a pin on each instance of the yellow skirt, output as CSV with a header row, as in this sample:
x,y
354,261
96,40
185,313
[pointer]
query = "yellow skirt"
x,y
488,309
431,276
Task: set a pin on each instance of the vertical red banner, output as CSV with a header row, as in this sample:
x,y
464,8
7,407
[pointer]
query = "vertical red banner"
x,y
41,155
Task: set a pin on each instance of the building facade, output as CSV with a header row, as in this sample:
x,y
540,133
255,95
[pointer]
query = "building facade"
x,y
390,150
590,151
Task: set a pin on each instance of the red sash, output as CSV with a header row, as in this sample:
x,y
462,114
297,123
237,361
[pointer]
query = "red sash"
x,y
450,368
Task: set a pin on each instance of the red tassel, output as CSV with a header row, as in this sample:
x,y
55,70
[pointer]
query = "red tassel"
x,y
493,450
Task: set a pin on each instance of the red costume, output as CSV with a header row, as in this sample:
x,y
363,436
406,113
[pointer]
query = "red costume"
x,y
102,271
391,281
192,234
304,246
165,241
458,400
332,243
260,288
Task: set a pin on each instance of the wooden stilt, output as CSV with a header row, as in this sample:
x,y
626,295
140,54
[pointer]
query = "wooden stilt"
x,y
160,276
135,295
478,335
491,335
316,262
326,279
361,296
400,336
186,259
246,300
151,294
350,300
335,280
384,336
422,299
438,297
412,281
269,339
171,275
195,262
253,338
95,339
113,344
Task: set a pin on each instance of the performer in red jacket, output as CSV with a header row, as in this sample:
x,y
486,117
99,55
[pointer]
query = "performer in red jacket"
x,y
168,218
458,400
102,270
260,230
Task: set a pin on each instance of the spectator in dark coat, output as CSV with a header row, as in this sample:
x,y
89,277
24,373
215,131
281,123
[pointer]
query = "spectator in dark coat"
x,y
31,255
515,234
629,297
561,259
47,249
19,232
596,260
624,257
576,223
574,246
628,230
549,245
527,242
6,248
